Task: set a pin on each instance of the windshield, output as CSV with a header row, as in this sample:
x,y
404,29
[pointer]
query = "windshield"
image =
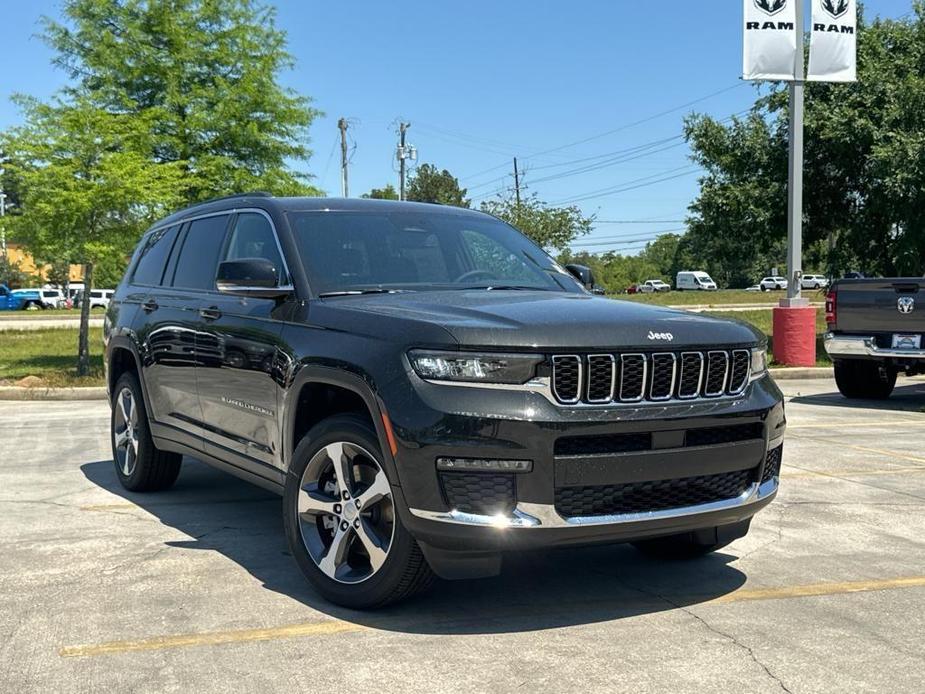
x,y
420,251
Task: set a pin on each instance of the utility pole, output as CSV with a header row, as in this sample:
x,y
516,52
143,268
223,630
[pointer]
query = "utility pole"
x,y
402,155
2,211
516,183
795,175
342,125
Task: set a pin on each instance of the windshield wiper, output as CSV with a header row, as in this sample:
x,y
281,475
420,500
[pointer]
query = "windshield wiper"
x,y
360,292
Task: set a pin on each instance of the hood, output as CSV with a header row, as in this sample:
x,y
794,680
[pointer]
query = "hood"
x,y
549,320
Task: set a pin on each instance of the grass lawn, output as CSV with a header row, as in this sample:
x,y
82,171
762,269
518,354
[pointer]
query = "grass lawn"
x,y
49,354
50,313
717,298
763,320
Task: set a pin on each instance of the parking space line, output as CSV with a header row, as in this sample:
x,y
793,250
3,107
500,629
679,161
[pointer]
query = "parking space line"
x,y
806,473
914,422
864,449
822,589
211,638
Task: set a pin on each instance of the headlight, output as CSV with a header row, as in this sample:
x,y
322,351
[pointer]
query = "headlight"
x,y
474,368
759,362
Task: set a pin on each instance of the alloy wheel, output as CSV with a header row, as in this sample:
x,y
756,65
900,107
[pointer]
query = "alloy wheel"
x,y
125,432
346,513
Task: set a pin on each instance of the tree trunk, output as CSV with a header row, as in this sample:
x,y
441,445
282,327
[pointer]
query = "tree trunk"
x,y
83,340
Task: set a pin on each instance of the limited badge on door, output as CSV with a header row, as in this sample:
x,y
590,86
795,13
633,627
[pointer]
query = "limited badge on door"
x,y
907,341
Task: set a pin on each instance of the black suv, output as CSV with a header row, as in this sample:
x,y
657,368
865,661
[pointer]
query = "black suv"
x,y
428,389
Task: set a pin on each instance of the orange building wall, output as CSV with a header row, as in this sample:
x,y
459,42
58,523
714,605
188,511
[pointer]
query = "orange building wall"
x,y
26,262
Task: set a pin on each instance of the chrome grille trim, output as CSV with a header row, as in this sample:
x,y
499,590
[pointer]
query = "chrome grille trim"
x,y
645,375
558,359
613,378
718,373
655,370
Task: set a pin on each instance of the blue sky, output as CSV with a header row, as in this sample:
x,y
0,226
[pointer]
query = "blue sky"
x,y
482,82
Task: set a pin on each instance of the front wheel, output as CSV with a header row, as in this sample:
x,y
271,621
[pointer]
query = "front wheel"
x,y
856,378
341,522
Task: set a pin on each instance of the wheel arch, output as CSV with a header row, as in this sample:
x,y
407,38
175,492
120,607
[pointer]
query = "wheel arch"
x,y
122,356
315,386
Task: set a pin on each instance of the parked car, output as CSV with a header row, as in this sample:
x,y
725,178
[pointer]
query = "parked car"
x,y
814,282
9,300
52,298
753,288
854,275
773,283
875,333
694,280
100,298
632,289
30,298
426,388
652,286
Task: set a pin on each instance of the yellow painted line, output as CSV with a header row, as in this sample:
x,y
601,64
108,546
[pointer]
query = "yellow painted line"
x,y
821,589
866,449
211,638
806,473
841,424
108,507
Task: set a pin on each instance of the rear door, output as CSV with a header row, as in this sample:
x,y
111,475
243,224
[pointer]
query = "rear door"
x,y
172,350
237,391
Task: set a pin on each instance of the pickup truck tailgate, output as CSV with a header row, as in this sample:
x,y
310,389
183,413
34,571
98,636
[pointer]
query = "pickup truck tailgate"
x,y
873,306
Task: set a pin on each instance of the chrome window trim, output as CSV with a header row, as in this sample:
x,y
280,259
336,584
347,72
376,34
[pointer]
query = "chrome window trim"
x,y
722,390
702,359
528,515
613,379
674,369
578,390
645,376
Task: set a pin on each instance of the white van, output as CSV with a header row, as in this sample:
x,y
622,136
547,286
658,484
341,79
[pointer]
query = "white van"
x,y
99,298
694,280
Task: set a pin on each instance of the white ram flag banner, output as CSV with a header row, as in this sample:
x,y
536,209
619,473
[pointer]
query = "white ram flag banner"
x,y
770,40
833,47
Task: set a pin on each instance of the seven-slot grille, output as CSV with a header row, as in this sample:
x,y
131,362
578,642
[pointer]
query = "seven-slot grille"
x,y
656,377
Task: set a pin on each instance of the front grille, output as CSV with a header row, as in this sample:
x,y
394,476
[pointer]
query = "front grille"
x,y
642,497
482,493
604,444
772,464
657,377
713,436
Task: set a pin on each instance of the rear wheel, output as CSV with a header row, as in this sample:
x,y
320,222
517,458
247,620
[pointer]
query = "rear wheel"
x,y
864,379
140,465
341,521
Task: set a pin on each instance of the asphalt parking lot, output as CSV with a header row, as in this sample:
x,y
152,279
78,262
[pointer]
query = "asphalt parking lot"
x,y
192,590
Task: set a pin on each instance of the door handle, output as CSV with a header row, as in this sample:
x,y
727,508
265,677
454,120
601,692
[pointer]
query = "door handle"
x,y
149,306
211,313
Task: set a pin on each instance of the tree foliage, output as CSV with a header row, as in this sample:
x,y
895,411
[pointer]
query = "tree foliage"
x,y
549,227
864,180
387,192
204,75
428,184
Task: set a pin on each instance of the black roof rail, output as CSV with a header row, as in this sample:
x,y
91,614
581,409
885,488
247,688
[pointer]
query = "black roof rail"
x,y
252,194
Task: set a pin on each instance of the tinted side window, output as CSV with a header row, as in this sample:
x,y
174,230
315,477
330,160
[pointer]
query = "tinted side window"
x,y
150,266
199,255
252,237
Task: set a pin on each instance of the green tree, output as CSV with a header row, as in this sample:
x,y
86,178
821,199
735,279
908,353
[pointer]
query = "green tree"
x,y
427,184
549,227
864,201
89,187
204,75
386,193
12,275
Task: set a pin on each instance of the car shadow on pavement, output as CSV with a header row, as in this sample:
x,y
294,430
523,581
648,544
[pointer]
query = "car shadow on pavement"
x,y
905,398
536,590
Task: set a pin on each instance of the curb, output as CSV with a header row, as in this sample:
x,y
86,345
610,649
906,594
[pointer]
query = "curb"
x,y
787,373
86,393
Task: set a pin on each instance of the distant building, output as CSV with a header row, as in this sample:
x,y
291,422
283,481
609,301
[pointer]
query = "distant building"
x,y
20,256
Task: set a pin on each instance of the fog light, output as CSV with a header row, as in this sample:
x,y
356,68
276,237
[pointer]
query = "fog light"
x,y
484,465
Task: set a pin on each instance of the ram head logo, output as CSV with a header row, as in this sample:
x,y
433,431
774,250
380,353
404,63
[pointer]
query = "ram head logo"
x,y
836,8
773,6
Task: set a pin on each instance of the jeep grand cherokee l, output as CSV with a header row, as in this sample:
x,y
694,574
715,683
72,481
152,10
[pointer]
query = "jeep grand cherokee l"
x,y
428,390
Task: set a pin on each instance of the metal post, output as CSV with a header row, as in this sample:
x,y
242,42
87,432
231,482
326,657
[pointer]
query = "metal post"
x,y
342,126
795,176
402,155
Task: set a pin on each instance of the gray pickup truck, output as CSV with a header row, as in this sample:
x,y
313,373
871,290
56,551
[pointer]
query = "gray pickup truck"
x,y
875,332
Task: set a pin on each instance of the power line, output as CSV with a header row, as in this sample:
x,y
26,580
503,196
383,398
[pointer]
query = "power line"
x,y
639,221
623,242
625,187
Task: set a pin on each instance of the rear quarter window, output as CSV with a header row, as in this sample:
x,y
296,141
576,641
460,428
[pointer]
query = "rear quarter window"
x,y
150,267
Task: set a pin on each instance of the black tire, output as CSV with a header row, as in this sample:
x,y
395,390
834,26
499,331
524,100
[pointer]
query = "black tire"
x,y
404,571
150,469
864,379
683,546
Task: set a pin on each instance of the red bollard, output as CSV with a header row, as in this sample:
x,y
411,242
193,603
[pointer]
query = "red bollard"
x,y
795,335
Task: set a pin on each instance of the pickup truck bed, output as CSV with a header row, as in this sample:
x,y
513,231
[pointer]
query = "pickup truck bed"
x,y
876,329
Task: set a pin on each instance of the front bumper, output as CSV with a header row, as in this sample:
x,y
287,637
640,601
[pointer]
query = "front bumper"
x,y
435,420
865,346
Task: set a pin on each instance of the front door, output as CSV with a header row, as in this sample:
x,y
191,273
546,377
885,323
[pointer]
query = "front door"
x,y
237,391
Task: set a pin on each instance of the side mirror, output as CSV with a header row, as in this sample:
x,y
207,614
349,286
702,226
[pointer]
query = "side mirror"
x,y
249,277
583,274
